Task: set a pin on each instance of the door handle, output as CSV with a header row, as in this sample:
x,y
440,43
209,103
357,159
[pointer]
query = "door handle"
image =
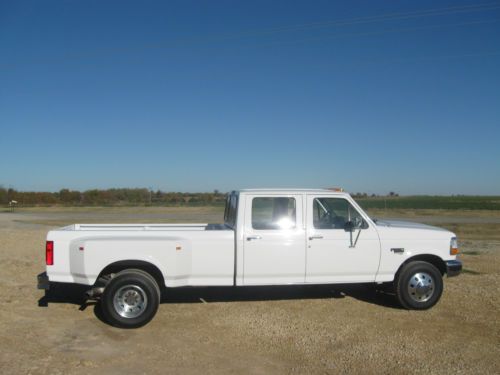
x,y
250,238
317,237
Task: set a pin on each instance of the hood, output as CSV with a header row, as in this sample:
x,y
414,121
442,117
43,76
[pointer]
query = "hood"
x,y
406,225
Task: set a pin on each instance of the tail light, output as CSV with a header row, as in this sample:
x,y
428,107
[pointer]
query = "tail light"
x,y
49,253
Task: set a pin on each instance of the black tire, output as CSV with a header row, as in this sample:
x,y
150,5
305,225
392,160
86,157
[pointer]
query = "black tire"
x,y
419,285
132,286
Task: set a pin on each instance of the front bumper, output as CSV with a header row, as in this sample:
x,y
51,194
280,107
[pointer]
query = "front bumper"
x,y
453,267
43,281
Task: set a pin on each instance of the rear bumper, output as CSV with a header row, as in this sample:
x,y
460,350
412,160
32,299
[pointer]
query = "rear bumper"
x,y
453,267
43,281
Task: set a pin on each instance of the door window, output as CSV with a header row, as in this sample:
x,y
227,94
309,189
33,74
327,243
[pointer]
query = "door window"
x,y
273,213
336,213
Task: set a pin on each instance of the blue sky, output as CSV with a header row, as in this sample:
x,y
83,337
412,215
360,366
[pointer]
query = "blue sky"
x,y
196,96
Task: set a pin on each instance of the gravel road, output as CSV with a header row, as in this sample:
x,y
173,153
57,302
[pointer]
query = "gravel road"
x,y
325,329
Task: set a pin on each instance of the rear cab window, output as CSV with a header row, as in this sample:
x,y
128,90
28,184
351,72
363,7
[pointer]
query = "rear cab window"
x,y
231,209
270,213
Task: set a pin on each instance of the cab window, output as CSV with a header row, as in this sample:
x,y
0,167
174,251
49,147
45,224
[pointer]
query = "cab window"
x,y
231,210
273,213
336,213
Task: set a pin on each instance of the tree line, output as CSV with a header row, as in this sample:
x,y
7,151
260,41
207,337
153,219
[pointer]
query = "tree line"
x,y
146,197
365,195
94,197
121,196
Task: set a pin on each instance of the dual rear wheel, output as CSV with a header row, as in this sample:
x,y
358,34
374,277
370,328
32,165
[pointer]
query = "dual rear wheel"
x,y
130,299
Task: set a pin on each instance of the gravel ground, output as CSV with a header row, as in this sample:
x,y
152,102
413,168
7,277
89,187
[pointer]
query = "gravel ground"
x,y
324,329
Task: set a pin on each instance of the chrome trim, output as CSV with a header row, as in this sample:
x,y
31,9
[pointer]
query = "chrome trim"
x,y
315,237
421,287
250,238
130,301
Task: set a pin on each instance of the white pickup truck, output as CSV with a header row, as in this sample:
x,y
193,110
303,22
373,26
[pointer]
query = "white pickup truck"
x,y
269,237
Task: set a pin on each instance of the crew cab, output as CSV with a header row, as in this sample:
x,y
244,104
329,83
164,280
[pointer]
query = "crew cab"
x,y
269,237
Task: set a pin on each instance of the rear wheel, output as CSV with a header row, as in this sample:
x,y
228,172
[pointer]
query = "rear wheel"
x,y
419,285
130,299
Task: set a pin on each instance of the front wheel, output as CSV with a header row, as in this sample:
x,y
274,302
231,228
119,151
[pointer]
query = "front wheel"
x,y
130,299
419,285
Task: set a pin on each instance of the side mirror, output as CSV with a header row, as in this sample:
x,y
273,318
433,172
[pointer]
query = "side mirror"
x,y
349,226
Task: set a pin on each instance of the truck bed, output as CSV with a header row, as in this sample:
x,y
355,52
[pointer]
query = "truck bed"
x,y
185,254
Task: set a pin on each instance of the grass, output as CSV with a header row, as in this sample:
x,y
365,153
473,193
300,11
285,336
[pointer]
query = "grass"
x,y
118,209
473,231
459,202
468,202
471,252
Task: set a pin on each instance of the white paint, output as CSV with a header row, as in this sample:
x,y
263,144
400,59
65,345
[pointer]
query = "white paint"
x,y
280,256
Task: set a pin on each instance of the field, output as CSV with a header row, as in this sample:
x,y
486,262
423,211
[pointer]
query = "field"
x,y
323,329
419,202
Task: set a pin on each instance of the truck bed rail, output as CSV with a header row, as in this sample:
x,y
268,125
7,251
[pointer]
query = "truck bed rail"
x,y
136,227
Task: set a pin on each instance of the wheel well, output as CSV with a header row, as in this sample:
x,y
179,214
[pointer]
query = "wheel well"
x,y
137,264
429,258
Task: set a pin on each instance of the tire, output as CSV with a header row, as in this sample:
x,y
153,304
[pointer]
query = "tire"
x,y
130,299
419,285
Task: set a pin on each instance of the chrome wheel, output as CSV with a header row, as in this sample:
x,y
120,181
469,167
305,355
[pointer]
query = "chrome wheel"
x,y
130,301
421,287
